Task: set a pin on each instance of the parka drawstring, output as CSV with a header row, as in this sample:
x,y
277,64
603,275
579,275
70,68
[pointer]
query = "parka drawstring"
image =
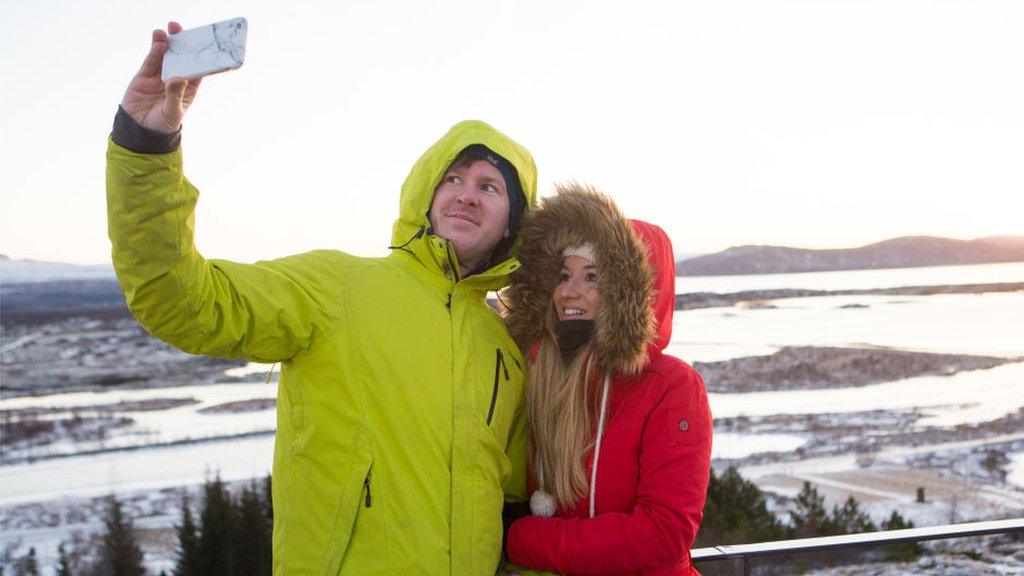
x,y
597,444
409,241
543,503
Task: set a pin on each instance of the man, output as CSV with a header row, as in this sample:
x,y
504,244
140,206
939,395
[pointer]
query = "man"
x,y
400,423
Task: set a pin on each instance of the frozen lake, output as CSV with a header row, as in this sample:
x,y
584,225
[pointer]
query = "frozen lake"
x,y
856,279
976,324
986,324
161,426
145,469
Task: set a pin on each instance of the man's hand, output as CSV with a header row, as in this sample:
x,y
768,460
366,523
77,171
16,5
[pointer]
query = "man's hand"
x,y
148,100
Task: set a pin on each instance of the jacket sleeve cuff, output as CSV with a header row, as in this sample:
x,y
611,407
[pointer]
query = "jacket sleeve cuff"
x,y
130,134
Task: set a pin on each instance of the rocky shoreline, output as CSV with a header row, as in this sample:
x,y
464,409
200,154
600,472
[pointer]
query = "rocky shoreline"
x,y
813,367
696,300
95,354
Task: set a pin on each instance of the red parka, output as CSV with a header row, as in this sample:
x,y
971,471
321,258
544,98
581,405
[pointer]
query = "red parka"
x,y
655,453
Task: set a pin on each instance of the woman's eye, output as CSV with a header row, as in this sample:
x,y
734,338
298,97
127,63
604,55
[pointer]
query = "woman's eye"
x,y
591,277
563,277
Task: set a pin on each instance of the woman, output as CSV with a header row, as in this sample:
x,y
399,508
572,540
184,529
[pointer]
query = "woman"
x,y
621,431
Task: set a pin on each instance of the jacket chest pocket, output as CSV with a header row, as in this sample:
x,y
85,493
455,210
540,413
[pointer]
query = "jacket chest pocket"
x,y
500,369
502,391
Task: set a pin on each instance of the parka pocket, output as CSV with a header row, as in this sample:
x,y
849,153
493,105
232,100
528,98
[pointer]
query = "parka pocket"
x,y
367,546
500,368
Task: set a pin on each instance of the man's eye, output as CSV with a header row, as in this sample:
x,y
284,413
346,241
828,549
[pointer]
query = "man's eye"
x,y
490,188
452,179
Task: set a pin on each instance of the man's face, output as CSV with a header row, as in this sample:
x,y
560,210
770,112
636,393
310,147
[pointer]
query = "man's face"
x,y
470,209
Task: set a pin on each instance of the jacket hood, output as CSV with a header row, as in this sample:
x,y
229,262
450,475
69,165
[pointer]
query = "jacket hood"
x,y
662,260
636,275
426,174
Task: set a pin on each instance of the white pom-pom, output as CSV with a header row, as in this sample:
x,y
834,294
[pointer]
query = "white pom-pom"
x,y
542,504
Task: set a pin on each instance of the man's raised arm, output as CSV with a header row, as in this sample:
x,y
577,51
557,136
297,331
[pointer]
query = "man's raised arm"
x,y
262,311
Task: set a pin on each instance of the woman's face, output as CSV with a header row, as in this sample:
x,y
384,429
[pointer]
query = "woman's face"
x,y
576,296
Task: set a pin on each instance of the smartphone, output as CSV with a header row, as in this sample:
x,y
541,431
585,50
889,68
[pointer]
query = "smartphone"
x,y
205,50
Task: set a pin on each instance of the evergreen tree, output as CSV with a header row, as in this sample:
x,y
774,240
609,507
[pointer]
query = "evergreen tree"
x,y
120,554
736,513
907,552
63,562
215,539
267,500
850,519
27,565
186,561
252,534
810,518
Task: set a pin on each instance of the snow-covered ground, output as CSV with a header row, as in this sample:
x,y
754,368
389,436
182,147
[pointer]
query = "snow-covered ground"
x,y
1016,469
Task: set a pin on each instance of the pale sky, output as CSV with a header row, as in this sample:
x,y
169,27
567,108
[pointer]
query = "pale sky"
x,y
812,123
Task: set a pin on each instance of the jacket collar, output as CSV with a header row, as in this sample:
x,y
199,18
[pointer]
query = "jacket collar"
x,y
436,257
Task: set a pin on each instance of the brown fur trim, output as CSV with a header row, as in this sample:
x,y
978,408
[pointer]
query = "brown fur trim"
x,y
579,214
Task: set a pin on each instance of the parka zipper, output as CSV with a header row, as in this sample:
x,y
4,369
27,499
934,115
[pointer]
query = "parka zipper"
x,y
451,263
499,368
366,486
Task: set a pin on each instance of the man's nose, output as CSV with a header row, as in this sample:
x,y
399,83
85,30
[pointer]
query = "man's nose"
x,y
468,196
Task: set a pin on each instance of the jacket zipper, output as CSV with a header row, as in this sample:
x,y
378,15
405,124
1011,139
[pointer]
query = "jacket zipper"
x,y
448,253
366,485
499,367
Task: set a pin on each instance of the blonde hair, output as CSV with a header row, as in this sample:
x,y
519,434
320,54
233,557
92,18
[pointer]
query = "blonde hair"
x,y
558,402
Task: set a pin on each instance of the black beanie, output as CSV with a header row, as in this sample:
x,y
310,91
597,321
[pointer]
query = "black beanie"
x,y
514,190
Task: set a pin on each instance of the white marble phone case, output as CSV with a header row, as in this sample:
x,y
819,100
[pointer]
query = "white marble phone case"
x,y
205,50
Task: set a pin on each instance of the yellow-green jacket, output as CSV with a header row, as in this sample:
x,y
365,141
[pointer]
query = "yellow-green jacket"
x,y
400,421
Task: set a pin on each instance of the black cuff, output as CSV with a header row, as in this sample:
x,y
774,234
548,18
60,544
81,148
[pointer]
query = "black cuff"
x,y
131,135
510,513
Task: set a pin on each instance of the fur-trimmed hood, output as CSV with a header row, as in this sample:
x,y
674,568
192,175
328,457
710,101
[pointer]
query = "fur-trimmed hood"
x,y
636,276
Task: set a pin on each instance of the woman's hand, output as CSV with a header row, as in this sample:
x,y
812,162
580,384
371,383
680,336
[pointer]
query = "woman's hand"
x,y
151,102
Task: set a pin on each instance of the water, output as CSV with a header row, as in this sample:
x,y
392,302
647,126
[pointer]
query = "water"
x,y
731,445
985,324
150,469
161,426
975,324
857,279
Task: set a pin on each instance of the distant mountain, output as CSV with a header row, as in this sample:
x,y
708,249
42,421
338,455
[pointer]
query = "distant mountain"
x,y
28,271
904,252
